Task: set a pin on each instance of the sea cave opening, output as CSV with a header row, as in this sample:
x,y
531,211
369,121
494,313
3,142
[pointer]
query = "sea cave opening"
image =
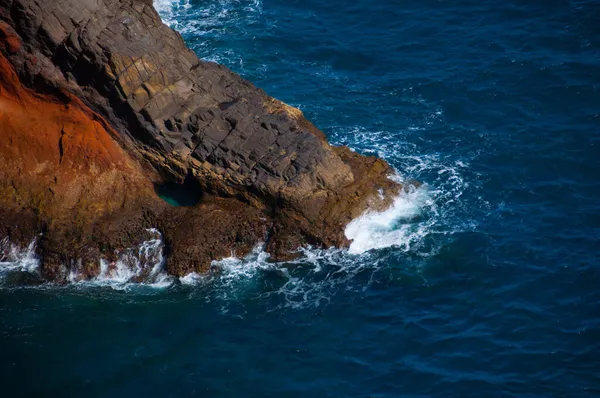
x,y
184,194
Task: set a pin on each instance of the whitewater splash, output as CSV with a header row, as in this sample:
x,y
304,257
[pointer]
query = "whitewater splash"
x,y
169,10
13,258
394,227
140,265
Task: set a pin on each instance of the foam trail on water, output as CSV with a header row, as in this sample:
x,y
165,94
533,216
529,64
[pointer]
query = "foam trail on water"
x,y
233,269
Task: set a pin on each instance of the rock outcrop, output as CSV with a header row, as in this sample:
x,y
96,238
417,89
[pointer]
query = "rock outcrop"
x,y
101,103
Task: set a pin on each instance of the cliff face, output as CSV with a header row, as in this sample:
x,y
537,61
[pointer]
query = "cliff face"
x,y
100,102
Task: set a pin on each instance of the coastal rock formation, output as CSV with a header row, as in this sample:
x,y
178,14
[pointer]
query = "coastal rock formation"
x,y
101,104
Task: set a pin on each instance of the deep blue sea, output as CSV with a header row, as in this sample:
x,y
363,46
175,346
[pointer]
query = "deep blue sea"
x,y
484,283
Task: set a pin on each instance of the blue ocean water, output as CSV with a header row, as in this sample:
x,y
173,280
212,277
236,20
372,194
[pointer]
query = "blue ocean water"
x,y
485,283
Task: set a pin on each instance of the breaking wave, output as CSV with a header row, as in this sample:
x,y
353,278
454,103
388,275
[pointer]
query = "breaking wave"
x,y
398,226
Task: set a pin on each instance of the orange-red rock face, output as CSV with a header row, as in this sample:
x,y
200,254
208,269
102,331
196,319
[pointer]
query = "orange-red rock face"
x,y
56,146
50,137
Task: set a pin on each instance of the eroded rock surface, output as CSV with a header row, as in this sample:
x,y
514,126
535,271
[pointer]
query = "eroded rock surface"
x,y
100,102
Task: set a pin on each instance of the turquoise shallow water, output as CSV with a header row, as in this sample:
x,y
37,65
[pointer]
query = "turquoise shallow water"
x,y
486,283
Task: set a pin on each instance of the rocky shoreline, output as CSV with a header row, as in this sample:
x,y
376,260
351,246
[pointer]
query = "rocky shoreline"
x,y
101,105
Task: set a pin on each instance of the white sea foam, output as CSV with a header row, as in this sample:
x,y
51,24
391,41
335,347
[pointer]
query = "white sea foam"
x,y
14,258
231,269
169,9
309,281
392,227
143,264
206,17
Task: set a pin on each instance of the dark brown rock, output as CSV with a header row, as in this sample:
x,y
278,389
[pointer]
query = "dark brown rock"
x,y
149,112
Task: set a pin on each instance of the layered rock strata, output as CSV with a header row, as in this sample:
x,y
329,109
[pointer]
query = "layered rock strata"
x,y
101,103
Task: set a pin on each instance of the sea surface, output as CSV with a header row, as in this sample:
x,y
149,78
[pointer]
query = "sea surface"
x,y
484,283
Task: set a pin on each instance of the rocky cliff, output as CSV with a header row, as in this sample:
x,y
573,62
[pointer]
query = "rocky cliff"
x,y
101,105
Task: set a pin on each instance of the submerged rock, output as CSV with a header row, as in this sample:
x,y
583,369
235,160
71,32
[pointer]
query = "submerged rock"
x,y
100,103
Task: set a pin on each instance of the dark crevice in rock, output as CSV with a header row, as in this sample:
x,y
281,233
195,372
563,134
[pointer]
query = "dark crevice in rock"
x,y
61,148
185,194
225,105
